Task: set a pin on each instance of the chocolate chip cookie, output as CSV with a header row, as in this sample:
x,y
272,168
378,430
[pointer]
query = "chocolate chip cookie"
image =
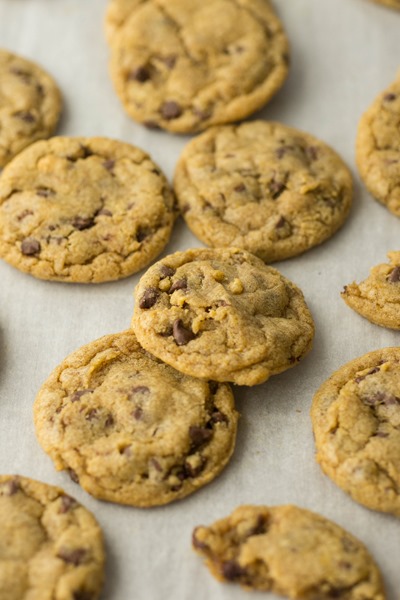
x,y
131,429
377,298
378,148
183,66
30,104
270,189
356,420
289,551
50,545
83,210
222,314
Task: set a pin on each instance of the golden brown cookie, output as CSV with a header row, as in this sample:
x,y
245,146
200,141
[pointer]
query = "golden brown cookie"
x,y
83,210
184,66
51,547
262,186
30,104
378,148
222,314
131,429
377,298
356,421
290,551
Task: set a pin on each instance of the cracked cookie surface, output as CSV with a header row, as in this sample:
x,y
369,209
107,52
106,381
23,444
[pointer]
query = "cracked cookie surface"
x,y
30,104
377,298
222,314
51,547
378,148
262,186
290,551
83,210
172,71
131,429
356,421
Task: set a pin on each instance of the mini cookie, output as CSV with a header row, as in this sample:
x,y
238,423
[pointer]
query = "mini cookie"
x,y
83,210
130,429
289,551
356,420
51,547
184,66
378,297
30,104
378,148
264,187
222,315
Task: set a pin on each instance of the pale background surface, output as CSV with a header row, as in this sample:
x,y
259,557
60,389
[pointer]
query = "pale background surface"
x,y
344,52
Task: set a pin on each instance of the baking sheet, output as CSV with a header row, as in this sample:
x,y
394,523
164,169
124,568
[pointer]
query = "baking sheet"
x,y
344,52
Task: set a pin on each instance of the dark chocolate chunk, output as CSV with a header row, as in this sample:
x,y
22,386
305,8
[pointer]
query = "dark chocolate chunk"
x,y
240,188
166,271
138,413
141,235
180,284
199,435
109,421
394,276
181,334
140,74
86,151
67,503
74,557
260,527
139,389
194,471
381,398
77,395
109,164
149,298
389,97
218,417
151,124
370,372
171,110
73,475
82,223
276,188
25,213
231,570
30,246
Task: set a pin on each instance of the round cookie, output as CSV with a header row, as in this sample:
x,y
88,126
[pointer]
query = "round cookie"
x,y
83,210
51,547
172,71
356,421
222,314
378,148
30,104
378,297
262,186
290,551
131,429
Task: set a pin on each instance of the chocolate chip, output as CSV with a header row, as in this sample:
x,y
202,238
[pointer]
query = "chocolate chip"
x,y
74,557
25,213
82,223
394,276
141,235
30,246
213,386
171,110
260,527
370,372
276,188
26,116
181,334
281,223
109,164
67,503
218,417
138,413
109,421
240,188
77,395
389,97
280,152
149,298
180,284
166,271
199,435
194,471
73,475
231,570
140,74
151,124
91,414
45,192
139,389
86,151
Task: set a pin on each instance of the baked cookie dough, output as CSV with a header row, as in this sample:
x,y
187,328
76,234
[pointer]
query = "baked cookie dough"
x,y
30,104
131,429
83,210
222,314
356,421
378,297
51,547
378,148
289,551
183,66
262,186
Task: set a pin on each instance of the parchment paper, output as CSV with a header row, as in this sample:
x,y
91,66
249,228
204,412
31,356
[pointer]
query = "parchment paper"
x,y
344,52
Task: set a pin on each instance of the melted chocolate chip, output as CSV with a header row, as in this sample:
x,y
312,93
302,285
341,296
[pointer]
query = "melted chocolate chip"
x,y
166,271
213,385
380,398
73,475
151,124
77,395
276,188
137,413
139,389
30,247
86,151
194,471
218,417
141,235
25,213
182,335
109,421
171,110
240,188
370,372
260,527
140,74
180,284
231,570
199,435
109,164
67,503
394,276
389,97
74,557
149,298
25,116
82,223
